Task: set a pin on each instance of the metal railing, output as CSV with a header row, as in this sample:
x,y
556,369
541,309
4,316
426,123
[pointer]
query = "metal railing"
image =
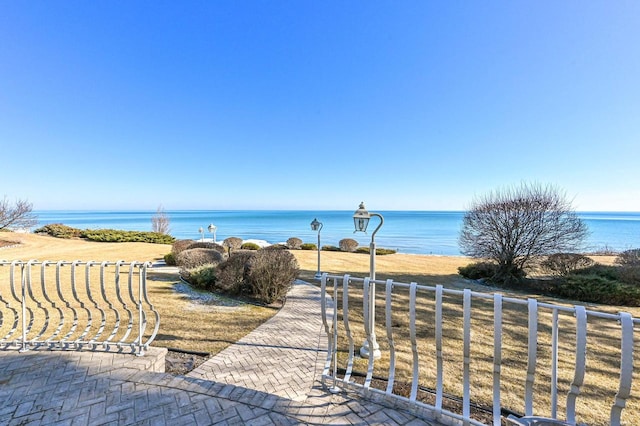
x,y
75,305
460,343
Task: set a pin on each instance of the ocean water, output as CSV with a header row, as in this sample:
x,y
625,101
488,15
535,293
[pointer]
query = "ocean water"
x,y
417,232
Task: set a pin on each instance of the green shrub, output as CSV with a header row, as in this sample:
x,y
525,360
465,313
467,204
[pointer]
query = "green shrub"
x,y
170,259
59,230
478,270
203,276
207,245
597,289
308,246
605,271
294,243
630,275
562,264
233,243
231,273
117,236
193,258
270,273
330,248
250,246
379,251
629,258
348,244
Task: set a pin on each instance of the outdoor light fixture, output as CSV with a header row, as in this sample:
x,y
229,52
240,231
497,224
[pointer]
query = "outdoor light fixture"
x,y
361,219
317,226
201,231
212,228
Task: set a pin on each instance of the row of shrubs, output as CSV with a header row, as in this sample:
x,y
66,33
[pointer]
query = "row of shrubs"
x,y
578,277
59,230
231,268
346,245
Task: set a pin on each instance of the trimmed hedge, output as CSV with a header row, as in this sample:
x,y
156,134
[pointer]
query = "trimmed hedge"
x,y
379,251
348,244
207,245
265,275
308,246
193,258
234,243
294,243
250,246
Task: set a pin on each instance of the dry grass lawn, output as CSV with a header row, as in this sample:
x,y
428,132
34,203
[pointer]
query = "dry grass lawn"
x,y
603,355
190,323
186,322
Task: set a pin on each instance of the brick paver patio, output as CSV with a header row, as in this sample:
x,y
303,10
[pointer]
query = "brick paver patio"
x,y
270,377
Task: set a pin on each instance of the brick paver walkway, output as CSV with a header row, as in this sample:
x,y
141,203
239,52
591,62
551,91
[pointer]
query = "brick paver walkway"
x,y
270,377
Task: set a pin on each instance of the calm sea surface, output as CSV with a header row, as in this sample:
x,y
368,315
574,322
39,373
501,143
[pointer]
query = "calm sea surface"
x,y
418,232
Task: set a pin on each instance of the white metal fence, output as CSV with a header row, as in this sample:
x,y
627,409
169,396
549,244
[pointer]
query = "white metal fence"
x,y
76,305
511,355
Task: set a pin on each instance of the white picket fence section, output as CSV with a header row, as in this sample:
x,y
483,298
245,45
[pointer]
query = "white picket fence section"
x,y
340,288
75,305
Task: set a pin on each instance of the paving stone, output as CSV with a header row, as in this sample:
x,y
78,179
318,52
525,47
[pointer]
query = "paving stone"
x,y
270,377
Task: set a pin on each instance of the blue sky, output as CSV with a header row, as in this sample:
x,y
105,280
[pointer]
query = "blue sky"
x,y
317,105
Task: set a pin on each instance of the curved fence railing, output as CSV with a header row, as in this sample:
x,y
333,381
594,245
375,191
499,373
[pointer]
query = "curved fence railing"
x,y
76,305
479,358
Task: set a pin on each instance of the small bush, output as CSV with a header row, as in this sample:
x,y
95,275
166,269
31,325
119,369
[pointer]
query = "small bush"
x,y
478,270
270,274
308,246
203,277
562,264
207,245
233,243
294,243
348,244
231,273
629,258
170,259
379,251
59,230
193,258
276,247
330,248
250,246
179,246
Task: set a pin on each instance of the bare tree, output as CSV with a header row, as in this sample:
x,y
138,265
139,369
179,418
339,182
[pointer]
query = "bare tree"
x,y
17,216
514,226
160,221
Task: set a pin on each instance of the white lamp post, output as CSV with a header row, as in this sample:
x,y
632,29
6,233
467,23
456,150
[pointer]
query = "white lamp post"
x,y
361,220
213,229
201,231
317,226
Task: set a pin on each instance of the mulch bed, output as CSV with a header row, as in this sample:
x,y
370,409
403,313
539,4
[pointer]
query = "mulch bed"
x,y
178,362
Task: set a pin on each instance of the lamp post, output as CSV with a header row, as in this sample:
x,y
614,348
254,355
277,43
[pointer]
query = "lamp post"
x,y
361,219
317,226
201,231
212,228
